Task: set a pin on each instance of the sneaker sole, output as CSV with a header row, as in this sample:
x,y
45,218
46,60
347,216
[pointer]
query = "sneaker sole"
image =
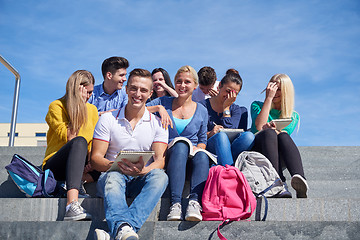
x,y
174,219
193,218
300,186
80,217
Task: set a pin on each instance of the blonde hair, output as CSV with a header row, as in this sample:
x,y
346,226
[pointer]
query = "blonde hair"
x,y
190,70
74,103
287,94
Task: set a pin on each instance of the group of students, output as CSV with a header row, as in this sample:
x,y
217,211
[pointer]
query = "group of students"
x,y
90,124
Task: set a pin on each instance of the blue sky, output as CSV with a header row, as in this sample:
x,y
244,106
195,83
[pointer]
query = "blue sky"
x,y
315,42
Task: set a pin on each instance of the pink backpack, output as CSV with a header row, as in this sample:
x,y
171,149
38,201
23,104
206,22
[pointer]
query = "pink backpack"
x,y
227,196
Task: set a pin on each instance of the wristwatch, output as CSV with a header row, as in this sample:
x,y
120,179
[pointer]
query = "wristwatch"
x,y
226,112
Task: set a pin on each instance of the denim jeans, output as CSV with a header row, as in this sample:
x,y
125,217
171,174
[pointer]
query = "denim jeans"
x,y
227,151
178,158
114,187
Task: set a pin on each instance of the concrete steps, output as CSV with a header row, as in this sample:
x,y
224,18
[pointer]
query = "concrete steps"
x,y
331,211
243,230
291,210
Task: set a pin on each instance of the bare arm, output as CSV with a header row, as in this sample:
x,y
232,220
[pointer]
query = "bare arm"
x,y
167,88
159,157
263,116
214,131
98,151
165,118
172,92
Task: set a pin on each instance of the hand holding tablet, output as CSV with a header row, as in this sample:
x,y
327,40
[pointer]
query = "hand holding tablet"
x,y
281,123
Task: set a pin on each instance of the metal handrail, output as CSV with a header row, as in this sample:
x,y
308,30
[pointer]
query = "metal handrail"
x,y
16,99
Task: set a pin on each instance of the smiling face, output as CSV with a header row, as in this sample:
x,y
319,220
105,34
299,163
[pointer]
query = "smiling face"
x,y
158,77
226,88
139,89
115,81
184,84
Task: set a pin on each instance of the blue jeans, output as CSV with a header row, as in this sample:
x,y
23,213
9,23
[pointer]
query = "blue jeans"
x,y
114,187
227,151
178,157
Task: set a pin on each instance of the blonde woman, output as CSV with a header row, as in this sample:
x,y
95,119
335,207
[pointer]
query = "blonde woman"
x,y
190,121
276,145
71,123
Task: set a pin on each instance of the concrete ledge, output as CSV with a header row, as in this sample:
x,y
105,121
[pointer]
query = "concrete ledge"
x,y
326,168
244,230
53,209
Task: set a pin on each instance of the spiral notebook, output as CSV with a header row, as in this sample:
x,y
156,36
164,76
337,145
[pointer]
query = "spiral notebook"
x,y
132,156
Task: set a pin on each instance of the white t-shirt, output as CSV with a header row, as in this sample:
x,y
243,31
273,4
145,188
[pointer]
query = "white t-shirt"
x,y
115,129
199,95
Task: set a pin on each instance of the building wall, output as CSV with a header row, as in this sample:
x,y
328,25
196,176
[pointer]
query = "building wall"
x,y
26,134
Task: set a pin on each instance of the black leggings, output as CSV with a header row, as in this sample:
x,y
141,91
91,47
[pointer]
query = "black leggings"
x,y
279,149
68,163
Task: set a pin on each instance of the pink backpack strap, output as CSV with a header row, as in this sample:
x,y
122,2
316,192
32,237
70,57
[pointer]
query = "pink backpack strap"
x,y
218,230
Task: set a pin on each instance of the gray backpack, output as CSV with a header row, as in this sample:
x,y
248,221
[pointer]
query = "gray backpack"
x,y
259,172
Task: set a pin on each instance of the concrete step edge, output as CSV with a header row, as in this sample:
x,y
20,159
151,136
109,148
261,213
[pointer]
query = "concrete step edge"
x,y
186,230
53,209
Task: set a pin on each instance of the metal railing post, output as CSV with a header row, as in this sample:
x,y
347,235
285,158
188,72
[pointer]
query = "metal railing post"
x,y
15,101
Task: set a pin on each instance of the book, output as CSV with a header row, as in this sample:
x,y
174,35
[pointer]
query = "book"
x,y
281,123
132,156
231,132
192,153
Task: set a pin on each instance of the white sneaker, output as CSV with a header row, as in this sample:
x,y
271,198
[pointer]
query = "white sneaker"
x,y
76,212
193,211
175,212
300,185
126,233
100,234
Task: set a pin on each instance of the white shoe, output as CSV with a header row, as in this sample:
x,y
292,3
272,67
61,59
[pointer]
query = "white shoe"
x,y
100,234
300,185
126,233
193,211
175,213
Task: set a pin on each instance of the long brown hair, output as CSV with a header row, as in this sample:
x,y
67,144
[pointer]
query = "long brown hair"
x,y
74,103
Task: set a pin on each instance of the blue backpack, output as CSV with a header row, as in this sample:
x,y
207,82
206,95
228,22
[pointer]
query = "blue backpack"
x,y
32,180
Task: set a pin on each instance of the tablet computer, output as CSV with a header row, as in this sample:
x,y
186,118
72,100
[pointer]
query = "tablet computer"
x,y
281,123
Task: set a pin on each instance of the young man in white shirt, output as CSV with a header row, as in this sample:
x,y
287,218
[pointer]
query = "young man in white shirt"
x,y
132,128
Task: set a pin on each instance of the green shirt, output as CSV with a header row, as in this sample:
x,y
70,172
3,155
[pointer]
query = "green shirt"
x,y
256,107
